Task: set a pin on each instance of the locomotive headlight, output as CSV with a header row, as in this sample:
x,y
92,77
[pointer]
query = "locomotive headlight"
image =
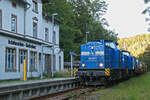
x,y
92,47
83,65
101,64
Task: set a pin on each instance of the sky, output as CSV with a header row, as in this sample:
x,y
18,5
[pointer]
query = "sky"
x,y
124,16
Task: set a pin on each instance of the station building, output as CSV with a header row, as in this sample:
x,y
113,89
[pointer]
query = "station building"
x,y
27,33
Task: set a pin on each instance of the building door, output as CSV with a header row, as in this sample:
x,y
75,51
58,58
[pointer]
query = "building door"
x,y
40,62
54,57
59,63
22,56
48,64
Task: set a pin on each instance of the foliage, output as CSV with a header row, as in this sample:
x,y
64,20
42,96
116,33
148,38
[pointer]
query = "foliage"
x,y
62,74
138,46
147,9
136,88
79,17
146,1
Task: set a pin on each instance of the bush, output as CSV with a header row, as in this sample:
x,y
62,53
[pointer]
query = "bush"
x,y
63,74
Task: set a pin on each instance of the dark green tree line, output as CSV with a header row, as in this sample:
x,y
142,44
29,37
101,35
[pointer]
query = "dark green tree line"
x,y
79,17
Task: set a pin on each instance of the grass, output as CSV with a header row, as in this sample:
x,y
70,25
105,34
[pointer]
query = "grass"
x,y
11,81
137,88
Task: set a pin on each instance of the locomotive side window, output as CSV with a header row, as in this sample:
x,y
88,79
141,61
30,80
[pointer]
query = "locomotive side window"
x,y
107,44
126,53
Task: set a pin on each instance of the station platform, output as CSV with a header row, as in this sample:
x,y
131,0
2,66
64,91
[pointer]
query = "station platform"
x,y
24,90
32,81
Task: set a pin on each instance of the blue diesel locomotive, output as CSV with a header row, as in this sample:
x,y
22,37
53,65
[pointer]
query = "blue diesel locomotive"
x,y
102,61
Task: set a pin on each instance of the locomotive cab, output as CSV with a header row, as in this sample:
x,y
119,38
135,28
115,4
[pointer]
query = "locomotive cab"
x,y
98,60
92,56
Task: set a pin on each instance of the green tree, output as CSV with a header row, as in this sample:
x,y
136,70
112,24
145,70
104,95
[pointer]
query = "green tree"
x,y
68,30
78,17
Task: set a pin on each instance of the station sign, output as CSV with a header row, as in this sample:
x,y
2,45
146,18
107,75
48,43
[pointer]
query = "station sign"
x,y
73,53
22,44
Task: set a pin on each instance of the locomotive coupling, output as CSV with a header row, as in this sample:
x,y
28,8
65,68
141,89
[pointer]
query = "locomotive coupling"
x,y
107,71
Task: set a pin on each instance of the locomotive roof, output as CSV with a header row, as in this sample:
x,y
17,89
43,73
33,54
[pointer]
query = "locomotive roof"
x,y
103,40
106,41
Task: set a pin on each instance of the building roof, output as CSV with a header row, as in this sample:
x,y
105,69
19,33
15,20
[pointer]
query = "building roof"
x,y
25,1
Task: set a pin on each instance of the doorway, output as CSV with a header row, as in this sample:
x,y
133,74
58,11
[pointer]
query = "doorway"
x,y
22,55
48,64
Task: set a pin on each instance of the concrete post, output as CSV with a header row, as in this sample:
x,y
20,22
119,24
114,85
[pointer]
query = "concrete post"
x,y
21,72
42,57
71,65
52,58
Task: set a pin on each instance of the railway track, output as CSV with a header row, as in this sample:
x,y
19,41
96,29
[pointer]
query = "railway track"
x,y
72,94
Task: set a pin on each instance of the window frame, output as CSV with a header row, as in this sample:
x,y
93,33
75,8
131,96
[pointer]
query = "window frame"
x,y
13,55
13,15
35,6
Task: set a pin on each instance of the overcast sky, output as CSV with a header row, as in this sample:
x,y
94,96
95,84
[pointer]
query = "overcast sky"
x,y
125,17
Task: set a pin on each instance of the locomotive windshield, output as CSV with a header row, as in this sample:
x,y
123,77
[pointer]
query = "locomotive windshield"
x,y
110,44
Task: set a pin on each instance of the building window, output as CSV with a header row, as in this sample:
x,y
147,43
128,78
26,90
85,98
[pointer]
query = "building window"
x,y
10,61
35,29
14,4
0,19
35,5
54,37
46,34
13,23
33,61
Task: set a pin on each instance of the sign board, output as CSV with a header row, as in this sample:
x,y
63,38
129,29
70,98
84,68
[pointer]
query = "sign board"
x,y
73,53
22,44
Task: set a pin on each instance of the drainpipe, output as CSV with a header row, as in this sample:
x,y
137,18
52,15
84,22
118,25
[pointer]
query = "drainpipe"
x,y
25,9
